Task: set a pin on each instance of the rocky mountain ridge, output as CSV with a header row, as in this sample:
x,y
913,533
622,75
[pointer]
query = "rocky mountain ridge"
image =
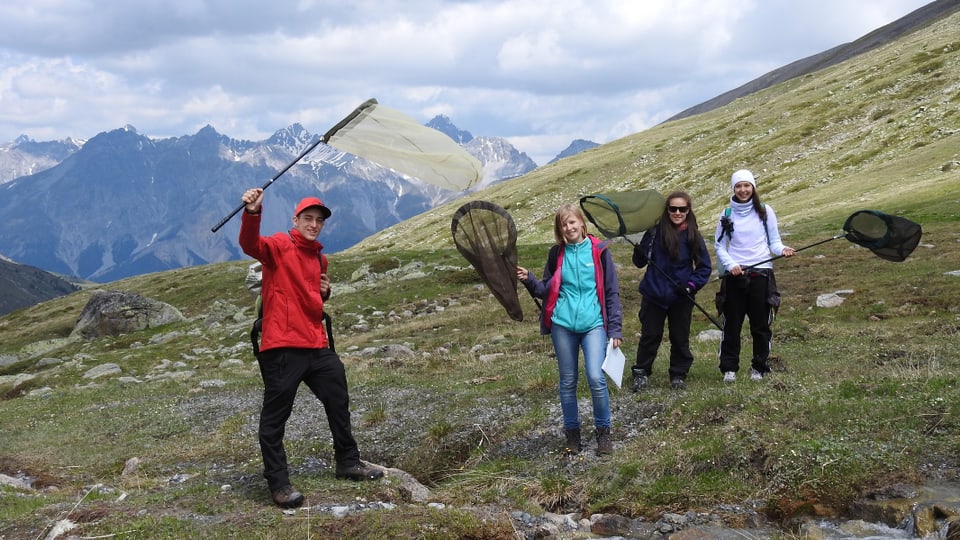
x,y
123,204
24,156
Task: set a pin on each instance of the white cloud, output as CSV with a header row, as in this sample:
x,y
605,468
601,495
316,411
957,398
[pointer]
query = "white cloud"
x,y
535,71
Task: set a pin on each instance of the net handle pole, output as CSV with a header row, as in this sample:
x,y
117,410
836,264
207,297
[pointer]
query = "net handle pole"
x,y
798,250
623,235
688,296
324,139
677,286
532,297
269,183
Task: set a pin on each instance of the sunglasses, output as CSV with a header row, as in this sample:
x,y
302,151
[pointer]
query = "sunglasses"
x,y
678,209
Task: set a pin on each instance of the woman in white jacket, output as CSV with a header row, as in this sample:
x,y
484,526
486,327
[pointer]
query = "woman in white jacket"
x,y
747,235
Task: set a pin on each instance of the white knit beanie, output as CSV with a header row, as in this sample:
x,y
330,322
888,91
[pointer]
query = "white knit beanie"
x,y
743,175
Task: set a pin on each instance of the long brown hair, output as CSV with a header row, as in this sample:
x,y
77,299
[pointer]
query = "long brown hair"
x,y
758,206
670,236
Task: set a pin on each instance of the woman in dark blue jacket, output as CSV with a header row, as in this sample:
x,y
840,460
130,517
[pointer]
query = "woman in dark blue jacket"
x,y
680,266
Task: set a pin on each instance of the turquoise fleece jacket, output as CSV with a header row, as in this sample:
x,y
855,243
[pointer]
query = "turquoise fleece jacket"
x,y
606,289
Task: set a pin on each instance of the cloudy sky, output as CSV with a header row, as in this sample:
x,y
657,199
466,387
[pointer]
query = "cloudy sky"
x,y
539,73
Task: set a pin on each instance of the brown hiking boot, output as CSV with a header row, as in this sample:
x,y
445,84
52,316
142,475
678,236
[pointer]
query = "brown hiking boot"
x,y
287,497
573,444
358,472
604,442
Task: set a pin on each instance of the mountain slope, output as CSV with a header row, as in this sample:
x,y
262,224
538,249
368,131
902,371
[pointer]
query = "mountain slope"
x,y
901,27
501,160
129,204
577,146
836,140
24,286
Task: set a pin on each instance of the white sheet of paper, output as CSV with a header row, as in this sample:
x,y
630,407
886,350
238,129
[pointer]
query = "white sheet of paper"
x,y
613,363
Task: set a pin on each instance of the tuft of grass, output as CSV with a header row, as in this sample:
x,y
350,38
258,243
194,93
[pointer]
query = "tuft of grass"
x,y
376,415
555,492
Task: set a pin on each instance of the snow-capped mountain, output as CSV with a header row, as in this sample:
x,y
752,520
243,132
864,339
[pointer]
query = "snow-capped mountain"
x,y
501,161
123,204
443,124
24,156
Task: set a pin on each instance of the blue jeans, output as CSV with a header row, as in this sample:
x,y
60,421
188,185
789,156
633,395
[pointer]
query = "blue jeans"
x,y
567,345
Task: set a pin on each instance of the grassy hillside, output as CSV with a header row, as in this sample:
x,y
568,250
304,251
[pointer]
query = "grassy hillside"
x,y
861,395
878,132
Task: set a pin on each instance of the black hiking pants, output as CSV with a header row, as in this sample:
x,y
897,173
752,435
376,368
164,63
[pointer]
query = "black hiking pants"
x,y
748,296
322,371
652,318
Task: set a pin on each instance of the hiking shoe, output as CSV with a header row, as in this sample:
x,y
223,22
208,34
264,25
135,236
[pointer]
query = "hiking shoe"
x,y
755,375
677,383
573,444
729,376
604,442
640,382
359,472
287,497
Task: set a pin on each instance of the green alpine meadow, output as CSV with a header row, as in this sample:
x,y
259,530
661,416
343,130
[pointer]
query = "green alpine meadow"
x,y
446,388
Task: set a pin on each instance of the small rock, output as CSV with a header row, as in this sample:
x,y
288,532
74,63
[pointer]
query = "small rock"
x,y
101,371
131,466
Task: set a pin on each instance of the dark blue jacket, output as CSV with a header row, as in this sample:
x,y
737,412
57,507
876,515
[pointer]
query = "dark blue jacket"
x,y
664,290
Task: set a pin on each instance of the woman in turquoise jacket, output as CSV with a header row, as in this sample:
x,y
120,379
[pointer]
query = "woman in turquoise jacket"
x,y
581,310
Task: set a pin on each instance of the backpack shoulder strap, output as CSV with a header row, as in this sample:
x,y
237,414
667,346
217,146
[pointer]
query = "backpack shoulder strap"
x,y
255,331
653,238
763,218
552,258
723,230
327,319
766,230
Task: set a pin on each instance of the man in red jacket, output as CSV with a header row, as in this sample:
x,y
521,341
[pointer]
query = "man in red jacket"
x,y
294,346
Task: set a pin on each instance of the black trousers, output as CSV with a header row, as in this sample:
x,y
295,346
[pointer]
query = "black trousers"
x,y
652,318
322,371
746,296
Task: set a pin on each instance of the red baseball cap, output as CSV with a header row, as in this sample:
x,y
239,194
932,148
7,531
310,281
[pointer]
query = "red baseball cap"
x,y
310,202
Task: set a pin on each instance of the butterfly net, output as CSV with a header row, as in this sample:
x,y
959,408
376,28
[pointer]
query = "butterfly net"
x,y
623,213
889,237
486,236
